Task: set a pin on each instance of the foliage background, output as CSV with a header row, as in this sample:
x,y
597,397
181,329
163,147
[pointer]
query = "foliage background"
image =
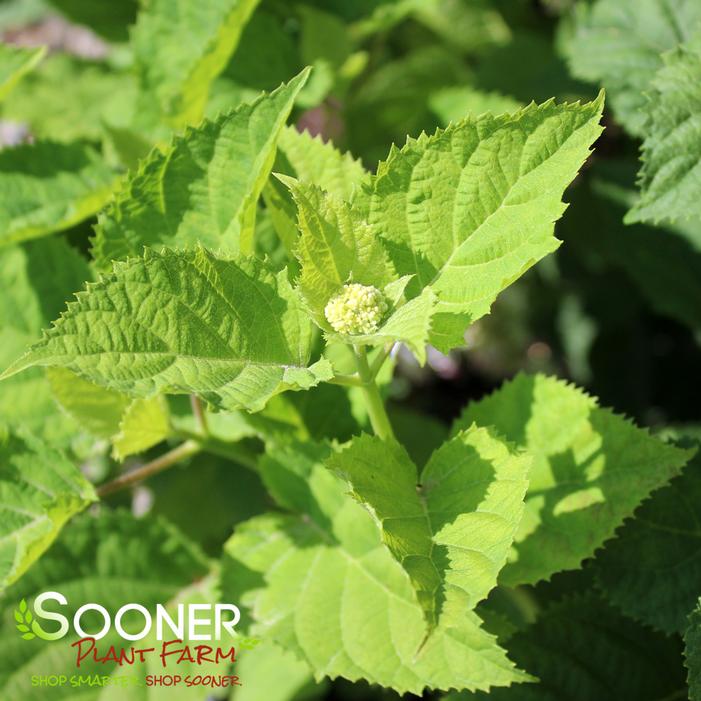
x,y
617,309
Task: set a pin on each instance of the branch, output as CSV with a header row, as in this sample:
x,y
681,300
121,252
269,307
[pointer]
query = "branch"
x,y
138,474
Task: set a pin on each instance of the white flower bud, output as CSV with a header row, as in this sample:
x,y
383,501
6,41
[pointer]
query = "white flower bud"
x,y
357,309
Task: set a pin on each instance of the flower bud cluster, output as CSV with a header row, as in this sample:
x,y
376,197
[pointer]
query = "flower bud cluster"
x,y
357,309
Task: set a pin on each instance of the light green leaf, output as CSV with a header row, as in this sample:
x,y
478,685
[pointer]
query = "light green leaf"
x,y
68,99
40,489
47,187
36,278
692,653
143,425
95,408
618,44
311,161
385,16
591,470
232,332
273,674
114,559
15,63
583,650
652,569
322,584
670,176
452,104
180,47
468,210
335,247
467,26
451,525
203,188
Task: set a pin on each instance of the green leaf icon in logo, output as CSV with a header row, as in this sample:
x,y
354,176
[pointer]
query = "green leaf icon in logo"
x,y
23,616
26,625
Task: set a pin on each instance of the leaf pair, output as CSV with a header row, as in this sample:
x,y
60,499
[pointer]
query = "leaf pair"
x,y
455,217
445,224
323,585
477,513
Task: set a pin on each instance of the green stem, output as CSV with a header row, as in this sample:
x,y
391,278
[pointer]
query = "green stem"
x,y
138,474
199,414
375,406
232,451
346,380
380,360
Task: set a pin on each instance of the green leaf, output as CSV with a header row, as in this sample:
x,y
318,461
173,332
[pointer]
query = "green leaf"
x,y
692,653
452,524
321,584
324,40
180,47
266,55
210,485
36,279
315,162
671,172
232,332
468,210
203,188
335,247
467,26
312,160
618,44
591,470
40,489
95,408
664,265
143,425
452,104
393,101
114,559
583,650
652,569
273,674
110,20
419,433
47,187
68,99
15,63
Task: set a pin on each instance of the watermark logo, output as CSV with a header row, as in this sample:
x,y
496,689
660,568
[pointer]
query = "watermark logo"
x,y
179,638
199,622
27,625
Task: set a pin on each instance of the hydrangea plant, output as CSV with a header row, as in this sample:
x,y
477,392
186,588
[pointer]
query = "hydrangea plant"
x,y
355,554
